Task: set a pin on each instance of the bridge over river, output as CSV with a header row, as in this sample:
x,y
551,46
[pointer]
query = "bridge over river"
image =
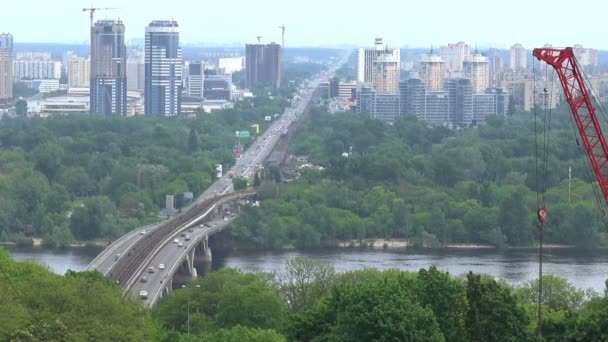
x,y
181,242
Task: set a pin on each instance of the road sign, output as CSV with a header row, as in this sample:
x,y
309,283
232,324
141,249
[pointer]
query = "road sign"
x,y
243,134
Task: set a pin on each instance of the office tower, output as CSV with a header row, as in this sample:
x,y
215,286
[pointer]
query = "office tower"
x,y
412,94
381,106
496,66
476,67
217,86
367,59
453,55
586,56
6,67
79,72
460,102
108,68
163,84
263,65
518,59
432,71
194,80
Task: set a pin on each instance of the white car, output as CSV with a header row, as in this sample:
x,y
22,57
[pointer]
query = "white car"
x,y
176,241
143,294
161,266
180,244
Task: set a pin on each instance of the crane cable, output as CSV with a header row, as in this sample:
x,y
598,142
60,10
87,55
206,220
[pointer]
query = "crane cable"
x,y
541,178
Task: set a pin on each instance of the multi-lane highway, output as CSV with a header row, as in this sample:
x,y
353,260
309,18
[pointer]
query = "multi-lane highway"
x,y
128,259
168,260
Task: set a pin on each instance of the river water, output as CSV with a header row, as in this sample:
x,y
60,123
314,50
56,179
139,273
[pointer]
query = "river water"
x,y
585,269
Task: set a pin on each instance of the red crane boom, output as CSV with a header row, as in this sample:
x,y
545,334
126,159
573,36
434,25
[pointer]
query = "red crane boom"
x,y
573,82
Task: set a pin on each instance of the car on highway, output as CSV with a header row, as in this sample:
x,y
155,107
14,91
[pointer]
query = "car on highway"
x,y
161,266
187,237
175,240
117,256
151,269
182,234
144,279
143,294
181,244
143,232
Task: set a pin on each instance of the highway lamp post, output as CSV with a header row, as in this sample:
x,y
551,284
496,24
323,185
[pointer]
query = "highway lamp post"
x,y
188,306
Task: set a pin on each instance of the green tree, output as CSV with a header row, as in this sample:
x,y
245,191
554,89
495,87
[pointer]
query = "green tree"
x,y
493,313
193,141
239,183
305,281
447,298
242,334
21,108
558,293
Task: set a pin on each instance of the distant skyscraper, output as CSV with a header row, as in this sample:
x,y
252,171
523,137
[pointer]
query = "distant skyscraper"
x,y
163,69
108,68
367,58
194,83
6,67
386,74
460,102
263,65
136,69
518,59
586,56
496,66
432,71
79,72
453,55
476,67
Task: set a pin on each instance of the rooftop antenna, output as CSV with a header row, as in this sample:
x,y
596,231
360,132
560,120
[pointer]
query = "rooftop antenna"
x,y
431,49
259,38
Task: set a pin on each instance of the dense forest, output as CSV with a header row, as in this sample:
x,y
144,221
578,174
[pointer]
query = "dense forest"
x,y
87,177
307,301
430,185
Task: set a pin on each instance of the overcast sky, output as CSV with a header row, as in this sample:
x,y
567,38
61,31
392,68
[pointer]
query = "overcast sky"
x,y
325,22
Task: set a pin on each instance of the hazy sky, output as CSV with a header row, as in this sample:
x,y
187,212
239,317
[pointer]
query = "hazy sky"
x,y
325,22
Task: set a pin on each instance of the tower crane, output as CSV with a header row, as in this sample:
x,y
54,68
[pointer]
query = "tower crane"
x,y
92,10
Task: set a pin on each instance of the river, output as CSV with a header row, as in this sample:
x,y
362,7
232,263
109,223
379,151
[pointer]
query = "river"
x,y
585,269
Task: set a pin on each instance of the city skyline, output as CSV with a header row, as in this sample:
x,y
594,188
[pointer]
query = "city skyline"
x,y
317,24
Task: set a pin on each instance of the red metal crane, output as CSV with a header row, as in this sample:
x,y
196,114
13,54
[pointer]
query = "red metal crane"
x,y
573,82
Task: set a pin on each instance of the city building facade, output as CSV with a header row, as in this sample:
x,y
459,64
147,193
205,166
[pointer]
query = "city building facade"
x,y
79,72
518,59
432,71
263,65
6,67
108,68
476,67
453,55
163,64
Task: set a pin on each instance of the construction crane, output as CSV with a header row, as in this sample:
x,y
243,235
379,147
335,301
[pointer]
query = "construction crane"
x,y
93,9
573,83
572,79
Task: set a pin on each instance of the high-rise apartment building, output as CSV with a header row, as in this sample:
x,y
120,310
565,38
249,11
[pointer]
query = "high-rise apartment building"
x,y
476,67
194,81
386,74
518,59
263,65
460,102
108,68
163,84
432,71
454,55
6,67
136,68
586,56
79,72
367,57
35,65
